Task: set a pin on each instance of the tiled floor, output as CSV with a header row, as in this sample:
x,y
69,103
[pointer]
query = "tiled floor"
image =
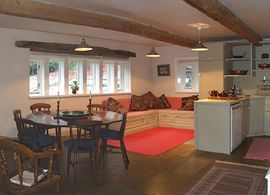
x,y
171,173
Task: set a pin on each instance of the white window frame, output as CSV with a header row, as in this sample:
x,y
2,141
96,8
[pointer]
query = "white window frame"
x,y
194,62
64,74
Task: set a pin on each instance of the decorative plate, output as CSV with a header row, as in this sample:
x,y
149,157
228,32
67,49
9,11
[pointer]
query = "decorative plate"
x,y
74,114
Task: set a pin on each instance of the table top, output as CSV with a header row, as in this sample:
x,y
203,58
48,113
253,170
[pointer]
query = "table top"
x,y
104,118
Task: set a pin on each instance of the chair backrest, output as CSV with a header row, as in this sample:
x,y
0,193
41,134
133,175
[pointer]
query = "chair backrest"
x,y
28,132
95,108
40,107
13,159
123,125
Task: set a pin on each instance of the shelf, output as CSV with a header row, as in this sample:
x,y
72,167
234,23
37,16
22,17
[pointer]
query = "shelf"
x,y
267,70
232,75
262,59
237,59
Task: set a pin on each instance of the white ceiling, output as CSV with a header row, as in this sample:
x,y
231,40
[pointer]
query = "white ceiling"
x,y
171,15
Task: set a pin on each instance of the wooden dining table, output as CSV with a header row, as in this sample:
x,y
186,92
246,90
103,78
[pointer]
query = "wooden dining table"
x,y
48,120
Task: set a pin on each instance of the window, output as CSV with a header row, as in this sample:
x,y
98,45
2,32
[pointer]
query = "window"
x,y
52,74
187,75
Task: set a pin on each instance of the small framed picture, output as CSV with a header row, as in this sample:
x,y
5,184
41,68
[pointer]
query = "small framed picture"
x,y
163,70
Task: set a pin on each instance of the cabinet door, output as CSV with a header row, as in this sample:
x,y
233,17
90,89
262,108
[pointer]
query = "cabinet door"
x,y
256,117
267,122
183,120
245,122
165,119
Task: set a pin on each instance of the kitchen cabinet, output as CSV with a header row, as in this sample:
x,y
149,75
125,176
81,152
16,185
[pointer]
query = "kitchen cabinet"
x,y
245,117
215,124
256,124
211,69
267,116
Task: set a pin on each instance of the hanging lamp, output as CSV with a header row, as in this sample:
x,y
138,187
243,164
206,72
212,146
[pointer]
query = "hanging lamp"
x,y
152,54
83,46
199,46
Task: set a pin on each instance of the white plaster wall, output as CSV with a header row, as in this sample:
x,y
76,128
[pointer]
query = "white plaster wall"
x,y
14,73
168,54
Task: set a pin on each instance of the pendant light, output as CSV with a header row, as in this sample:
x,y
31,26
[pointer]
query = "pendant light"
x,y
199,46
83,46
152,54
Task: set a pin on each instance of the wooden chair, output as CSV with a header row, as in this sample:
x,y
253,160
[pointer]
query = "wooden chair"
x,y
95,108
111,134
40,107
31,134
80,144
10,152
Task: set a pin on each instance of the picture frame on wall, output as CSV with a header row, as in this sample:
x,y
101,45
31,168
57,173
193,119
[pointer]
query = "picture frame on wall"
x,y
163,70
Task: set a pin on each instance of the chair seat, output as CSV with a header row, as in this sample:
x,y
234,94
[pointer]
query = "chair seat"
x,y
82,144
109,134
43,141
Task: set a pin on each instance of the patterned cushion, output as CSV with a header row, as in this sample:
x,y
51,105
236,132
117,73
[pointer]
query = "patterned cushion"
x,y
188,102
150,99
115,106
163,103
138,103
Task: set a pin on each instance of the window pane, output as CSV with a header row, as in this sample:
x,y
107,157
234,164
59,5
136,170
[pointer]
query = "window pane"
x,y
75,75
55,81
187,78
35,82
92,82
108,78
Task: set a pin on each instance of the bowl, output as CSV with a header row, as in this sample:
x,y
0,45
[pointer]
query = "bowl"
x,y
238,72
264,65
239,56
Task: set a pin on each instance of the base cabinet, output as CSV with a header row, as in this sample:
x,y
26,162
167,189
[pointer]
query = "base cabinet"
x,y
256,125
176,119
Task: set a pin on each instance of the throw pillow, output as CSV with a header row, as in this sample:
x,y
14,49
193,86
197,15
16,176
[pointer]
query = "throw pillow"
x,y
137,103
115,106
188,102
162,103
150,99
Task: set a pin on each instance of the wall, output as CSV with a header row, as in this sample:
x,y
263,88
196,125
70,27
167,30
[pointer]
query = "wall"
x,y
168,54
14,73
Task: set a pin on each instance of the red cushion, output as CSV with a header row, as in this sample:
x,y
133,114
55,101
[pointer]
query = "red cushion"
x,y
125,102
176,102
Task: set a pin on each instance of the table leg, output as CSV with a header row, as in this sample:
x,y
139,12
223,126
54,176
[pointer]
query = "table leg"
x,y
59,138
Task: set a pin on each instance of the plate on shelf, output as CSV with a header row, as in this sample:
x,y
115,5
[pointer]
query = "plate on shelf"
x,y
238,72
73,114
263,66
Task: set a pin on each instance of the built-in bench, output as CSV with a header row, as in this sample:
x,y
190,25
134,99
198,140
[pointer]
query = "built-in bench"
x,y
173,117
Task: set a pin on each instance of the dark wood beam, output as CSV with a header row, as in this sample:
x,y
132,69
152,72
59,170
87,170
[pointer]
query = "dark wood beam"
x,y
52,12
69,49
217,11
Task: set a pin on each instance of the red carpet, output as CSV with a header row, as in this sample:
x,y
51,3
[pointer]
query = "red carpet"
x,y
155,141
259,149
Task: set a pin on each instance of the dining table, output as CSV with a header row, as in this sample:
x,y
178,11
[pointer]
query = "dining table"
x,y
50,120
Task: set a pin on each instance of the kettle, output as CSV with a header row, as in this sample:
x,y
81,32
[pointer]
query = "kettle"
x,y
213,92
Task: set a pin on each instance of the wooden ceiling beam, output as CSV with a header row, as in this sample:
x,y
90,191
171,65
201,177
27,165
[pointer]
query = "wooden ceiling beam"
x,y
57,13
217,11
69,49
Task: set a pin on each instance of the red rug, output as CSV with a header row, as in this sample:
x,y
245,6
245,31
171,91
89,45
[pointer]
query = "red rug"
x,y
259,149
155,141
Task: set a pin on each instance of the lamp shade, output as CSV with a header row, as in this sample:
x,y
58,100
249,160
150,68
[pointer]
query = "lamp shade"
x,y
199,47
83,46
152,54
